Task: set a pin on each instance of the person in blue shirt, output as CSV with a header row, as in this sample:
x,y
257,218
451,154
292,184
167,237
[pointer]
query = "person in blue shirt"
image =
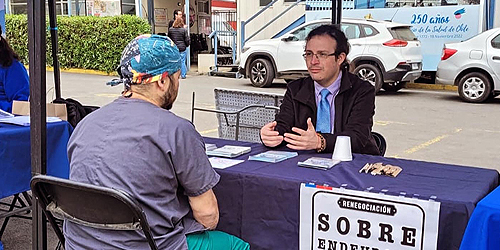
x,y
14,81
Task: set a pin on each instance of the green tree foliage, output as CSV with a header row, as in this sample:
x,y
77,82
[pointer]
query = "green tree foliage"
x,y
85,42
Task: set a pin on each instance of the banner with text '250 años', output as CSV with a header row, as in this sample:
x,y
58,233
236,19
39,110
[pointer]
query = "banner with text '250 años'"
x,y
341,219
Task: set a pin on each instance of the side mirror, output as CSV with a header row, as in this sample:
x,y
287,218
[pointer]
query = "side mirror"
x,y
289,38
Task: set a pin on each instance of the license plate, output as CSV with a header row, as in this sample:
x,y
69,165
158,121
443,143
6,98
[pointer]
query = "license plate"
x,y
414,66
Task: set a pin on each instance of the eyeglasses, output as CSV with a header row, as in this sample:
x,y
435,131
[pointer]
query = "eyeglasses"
x,y
320,56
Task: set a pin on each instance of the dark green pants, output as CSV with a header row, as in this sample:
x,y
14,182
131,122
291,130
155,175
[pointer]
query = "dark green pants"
x,y
215,240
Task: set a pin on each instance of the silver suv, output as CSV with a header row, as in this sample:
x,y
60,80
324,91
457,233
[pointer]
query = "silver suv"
x,y
384,53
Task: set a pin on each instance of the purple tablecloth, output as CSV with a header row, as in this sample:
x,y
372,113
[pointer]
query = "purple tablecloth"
x,y
259,201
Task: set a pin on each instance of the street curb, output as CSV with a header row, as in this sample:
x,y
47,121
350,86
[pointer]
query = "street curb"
x,y
408,85
431,86
85,71
79,71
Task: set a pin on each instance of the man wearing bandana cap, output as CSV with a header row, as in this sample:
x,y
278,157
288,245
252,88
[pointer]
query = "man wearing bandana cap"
x,y
137,145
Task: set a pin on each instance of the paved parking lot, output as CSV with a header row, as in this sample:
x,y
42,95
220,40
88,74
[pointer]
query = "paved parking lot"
x,y
417,124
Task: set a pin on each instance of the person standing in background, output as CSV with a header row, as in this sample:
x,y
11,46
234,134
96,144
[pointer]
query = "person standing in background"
x,y
179,34
177,14
14,80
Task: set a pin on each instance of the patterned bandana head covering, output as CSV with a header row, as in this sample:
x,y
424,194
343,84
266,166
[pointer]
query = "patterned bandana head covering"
x,y
147,58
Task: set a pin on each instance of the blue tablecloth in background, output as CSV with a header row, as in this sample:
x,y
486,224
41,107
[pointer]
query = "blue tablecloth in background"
x,y
15,157
483,230
259,201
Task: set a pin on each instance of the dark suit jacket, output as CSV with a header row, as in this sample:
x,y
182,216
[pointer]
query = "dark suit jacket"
x,y
354,110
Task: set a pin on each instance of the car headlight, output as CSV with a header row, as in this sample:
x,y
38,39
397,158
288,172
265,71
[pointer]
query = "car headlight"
x,y
245,49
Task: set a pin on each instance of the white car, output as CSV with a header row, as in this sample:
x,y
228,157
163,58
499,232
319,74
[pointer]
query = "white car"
x,y
384,53
473,65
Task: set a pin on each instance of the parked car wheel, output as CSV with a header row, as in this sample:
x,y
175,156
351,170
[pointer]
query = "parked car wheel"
x,y
371,74
261,73
474,87
393,86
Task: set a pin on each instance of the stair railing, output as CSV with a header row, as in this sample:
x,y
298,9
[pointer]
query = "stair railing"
x,y
233,46
244,23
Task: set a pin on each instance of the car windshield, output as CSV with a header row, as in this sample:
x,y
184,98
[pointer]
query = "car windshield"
x,y
301,33
403,33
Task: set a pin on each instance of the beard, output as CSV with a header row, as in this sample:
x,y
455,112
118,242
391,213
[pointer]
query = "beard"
x,y
169,98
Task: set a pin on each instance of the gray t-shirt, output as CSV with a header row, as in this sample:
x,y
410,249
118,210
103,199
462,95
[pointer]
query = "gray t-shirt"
x,y
152,154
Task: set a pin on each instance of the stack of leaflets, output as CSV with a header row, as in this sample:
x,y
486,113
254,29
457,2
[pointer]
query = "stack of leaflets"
x,y
5,114
209,146
317,162
222,163
272,156
229,151
25,120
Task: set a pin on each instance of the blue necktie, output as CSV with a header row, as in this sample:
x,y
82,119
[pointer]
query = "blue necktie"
x,y
323,117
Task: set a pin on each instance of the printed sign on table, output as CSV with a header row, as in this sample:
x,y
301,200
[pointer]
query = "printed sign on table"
x,y
341,219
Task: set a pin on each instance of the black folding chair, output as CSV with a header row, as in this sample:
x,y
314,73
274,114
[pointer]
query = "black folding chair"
x,y
381,143
89,205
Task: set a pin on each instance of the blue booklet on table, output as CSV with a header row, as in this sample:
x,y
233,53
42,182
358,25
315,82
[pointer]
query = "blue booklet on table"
x,y
273,156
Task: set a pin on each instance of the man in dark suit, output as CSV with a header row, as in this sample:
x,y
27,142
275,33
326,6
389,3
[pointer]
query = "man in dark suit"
x,y
328,103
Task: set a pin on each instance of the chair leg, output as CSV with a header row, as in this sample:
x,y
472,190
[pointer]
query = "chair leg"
x,y
27,197
11,207
55,226
4,225
59,246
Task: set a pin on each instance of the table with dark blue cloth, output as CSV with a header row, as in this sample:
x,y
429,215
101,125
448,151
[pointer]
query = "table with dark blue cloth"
x,y
15,157
259,201
483,230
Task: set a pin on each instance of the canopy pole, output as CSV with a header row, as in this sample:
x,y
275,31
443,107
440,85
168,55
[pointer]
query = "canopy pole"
x,y
38,132
55,46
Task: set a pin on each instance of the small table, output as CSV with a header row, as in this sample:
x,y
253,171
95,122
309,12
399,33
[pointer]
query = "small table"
x,y
15,157
259,201
483,230
15,160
